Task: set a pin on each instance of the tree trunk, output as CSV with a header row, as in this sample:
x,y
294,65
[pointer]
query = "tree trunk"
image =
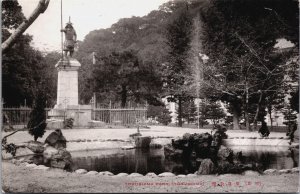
x,y
180,112
236,118
247,121
42,6
123,96
257,111
271,121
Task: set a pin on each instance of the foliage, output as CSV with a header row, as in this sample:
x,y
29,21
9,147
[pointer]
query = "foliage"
x,y
22,65
178,34
189,111
119,77
164,117
68,123
243,62
37,119
161,113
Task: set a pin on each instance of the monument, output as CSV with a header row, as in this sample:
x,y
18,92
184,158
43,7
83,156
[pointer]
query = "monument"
x,y
67,105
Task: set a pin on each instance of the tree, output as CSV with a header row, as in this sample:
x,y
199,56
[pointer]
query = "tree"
x,y
161,113
189,111
215,112
8,4
244,69
37,119
119,77
178,34
22,66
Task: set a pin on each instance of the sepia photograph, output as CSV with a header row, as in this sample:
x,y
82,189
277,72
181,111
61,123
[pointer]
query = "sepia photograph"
x,y
150,96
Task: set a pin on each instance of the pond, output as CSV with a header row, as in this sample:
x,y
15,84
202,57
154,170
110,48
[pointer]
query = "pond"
x,y
153,160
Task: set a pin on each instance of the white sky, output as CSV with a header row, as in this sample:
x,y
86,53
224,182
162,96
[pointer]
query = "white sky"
x,y
86,15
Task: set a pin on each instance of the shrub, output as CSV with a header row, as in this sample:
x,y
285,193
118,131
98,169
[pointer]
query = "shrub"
x,y
37,119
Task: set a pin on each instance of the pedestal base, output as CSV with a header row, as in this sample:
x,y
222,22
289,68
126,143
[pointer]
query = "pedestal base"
x,y
82,115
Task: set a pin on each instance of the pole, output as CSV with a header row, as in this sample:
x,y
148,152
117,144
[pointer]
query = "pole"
x,y
62,35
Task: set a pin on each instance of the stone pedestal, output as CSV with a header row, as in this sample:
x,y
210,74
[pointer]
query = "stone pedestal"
x,y
67,82
67,97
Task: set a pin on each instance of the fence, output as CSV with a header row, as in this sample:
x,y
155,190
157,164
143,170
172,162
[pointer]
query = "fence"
x,y
110,115
116,115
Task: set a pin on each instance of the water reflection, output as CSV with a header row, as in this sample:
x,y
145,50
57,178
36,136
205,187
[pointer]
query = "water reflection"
x,y
153,160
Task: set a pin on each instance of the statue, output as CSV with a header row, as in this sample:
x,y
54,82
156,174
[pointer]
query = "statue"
x,y
70,39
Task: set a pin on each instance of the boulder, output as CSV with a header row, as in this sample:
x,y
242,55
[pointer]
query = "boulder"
x,y
31,165
41,167
166,174
142,141
271,171
106,173
191,175
92,173
181,176
135,175
206,167
225,154
122,174
81,171
284,171
35,146
56,139
171,152
60,158
295,170
151,174
251,173
49,152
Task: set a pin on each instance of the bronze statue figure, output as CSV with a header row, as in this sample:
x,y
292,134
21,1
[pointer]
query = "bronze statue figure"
x,y
70,39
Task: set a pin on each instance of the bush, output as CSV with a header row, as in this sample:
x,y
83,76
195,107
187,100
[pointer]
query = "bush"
x,y
68,123
37,119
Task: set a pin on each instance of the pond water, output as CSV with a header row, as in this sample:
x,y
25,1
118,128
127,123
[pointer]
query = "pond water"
x,y
153,160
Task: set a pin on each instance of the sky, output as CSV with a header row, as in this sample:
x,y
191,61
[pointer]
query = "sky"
x,y
86,15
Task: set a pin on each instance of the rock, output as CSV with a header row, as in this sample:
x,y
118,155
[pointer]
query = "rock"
x,y
155,145
187,136
271,171
81,171
251,173
31,165
181,176
59,158
92,173
191,175
56,139
105,173
35,146
225,153
135,175
206,167
142,141
127,147
171,152
295,170
166,174
49,152
151,174
41,167
284,171
16,162
122,174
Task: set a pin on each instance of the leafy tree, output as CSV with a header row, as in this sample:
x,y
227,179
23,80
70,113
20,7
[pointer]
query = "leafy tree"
x,y
178,34
215,112
189,111
244,66
161,113
22,66
37,119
